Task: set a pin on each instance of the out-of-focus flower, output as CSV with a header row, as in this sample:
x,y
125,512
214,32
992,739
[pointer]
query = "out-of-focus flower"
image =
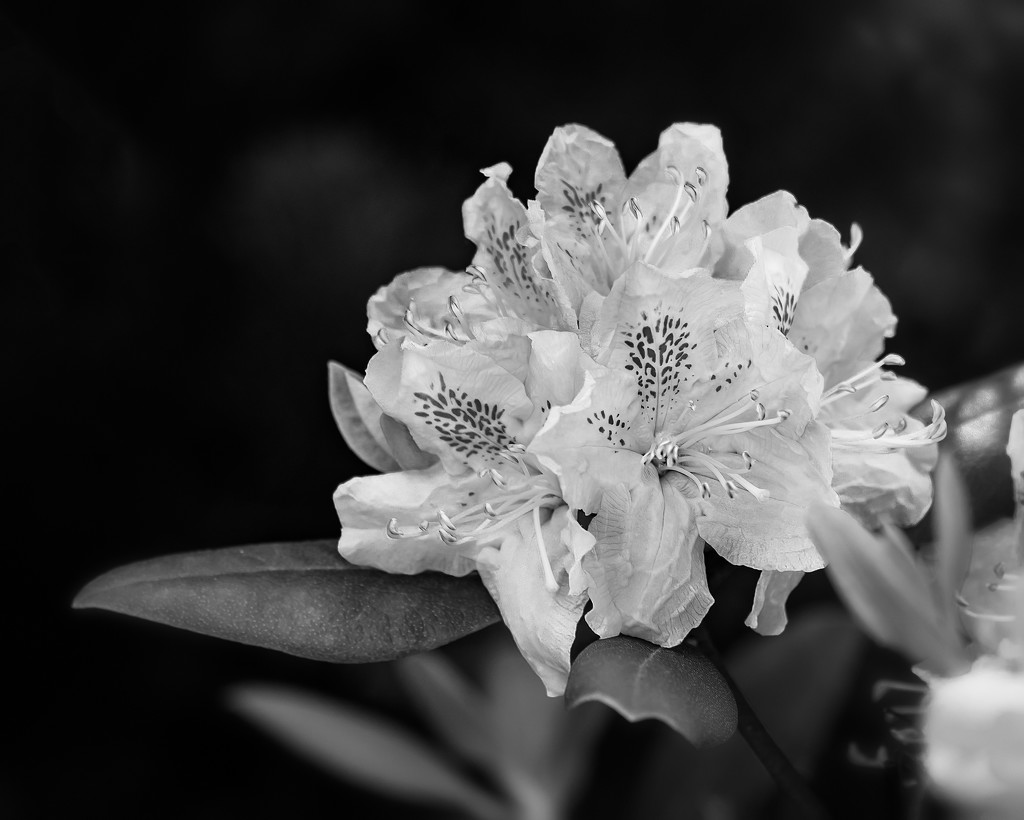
x,y
968,646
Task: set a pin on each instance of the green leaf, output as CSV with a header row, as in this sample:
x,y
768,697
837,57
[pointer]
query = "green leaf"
x,y
978,414
358,418
301,598
679,687
361,748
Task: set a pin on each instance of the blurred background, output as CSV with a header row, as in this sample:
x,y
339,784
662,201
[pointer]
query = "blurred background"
x,y
196,202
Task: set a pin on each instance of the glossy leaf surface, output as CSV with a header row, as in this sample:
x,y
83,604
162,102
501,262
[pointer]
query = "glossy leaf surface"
x,y
301,598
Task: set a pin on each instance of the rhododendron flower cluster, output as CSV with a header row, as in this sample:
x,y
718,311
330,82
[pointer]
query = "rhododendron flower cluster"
x,y
622,352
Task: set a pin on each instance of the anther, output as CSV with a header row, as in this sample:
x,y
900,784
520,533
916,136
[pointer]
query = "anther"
x,y
732,488
634,206
701,174
705,490
381,337
893,359
447,537
410,320
691,191
489,509
517,448
497,478
748,462
449,331
761,412
692,405
675,225
754,395
707,228
784,414
598,210
879,403
476,272
445,521
880,430
424,525
392,530
455,308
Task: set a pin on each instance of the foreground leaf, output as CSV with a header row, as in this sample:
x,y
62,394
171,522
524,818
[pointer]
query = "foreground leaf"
x,y
679,687
360,748
300,597
978,414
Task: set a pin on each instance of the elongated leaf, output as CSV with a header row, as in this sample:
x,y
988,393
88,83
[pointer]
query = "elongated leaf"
x,y
360,748
358,418
455,707
679,687
979,414
300,597
885,589
954,535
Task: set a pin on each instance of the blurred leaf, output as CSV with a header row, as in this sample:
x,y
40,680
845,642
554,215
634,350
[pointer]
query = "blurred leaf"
x,y
455,708
358,418
796,683
885,589
979,414
954,535
679,687
299,597
360,748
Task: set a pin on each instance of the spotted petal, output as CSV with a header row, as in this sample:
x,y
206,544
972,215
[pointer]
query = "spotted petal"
x,y
366,505
456,401
495,221
590,444
646,571
659,330
543,623
771,534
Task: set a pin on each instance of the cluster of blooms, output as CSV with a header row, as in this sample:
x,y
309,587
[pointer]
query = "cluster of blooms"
x,y
621,351
961,620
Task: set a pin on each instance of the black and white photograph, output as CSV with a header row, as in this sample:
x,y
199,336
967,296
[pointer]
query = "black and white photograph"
x,y
513,412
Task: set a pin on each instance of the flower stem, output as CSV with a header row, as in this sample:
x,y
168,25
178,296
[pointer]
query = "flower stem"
x,y
790,782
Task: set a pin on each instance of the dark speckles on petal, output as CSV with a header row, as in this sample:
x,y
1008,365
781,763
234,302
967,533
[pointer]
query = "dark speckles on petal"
x,y
657,349
471,427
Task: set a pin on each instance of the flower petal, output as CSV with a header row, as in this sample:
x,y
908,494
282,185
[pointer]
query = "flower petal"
x,y
590,444
659,330
366,505
773,285
687,153
495,220
456,401
422,295
646,570
543,623
777,210
358,418
1015,450
842,319
771,534
768,613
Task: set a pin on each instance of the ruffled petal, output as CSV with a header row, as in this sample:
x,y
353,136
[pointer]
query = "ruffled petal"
x,y
823,251
772,287
688,154
358,418
366,505
556,371
771,534
495,221
768,613
646,570
777,210
456,401
590,443
416,305
842,319
659,330
543,623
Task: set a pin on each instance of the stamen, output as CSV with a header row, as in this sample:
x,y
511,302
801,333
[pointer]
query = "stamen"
x,y
549,577
879,403
456,309
701,174
381,338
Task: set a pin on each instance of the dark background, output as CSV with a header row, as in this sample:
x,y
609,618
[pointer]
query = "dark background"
x,y
195,204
